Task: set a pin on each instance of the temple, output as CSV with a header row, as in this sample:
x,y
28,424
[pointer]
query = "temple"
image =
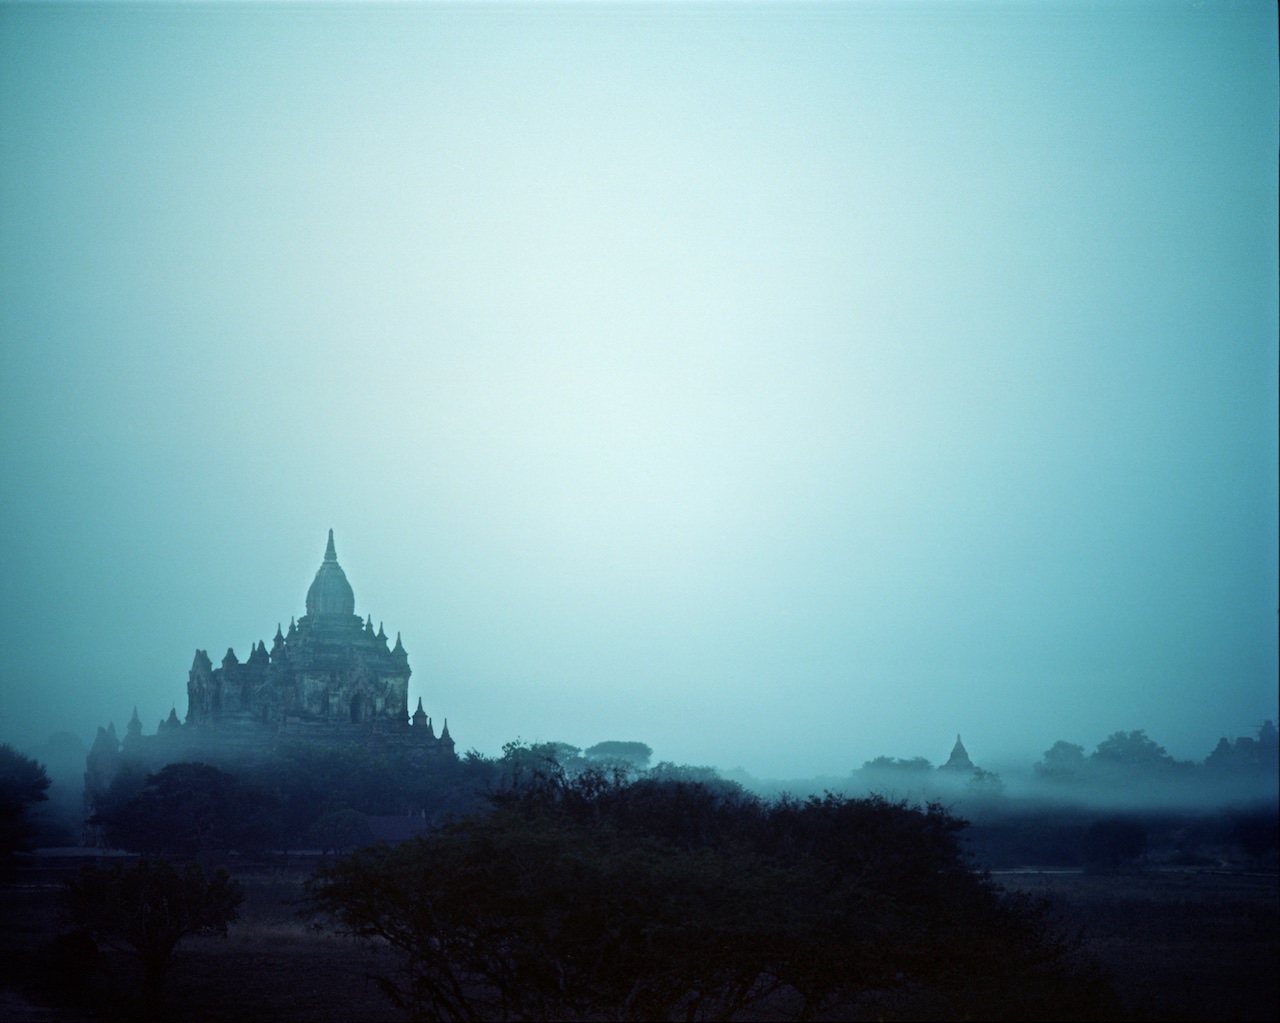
x,y
330,668
329,679
959,759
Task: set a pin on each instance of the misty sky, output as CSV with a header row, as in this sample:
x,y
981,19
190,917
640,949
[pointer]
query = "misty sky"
x,y
780,385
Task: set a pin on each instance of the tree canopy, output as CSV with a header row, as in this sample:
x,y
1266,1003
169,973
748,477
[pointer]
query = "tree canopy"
x,y
148,908
636,754
23,783
591,897
188,810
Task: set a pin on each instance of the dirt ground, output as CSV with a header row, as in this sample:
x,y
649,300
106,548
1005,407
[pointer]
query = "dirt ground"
x,y
1181,945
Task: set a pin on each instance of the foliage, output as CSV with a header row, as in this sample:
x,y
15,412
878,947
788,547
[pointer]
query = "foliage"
x,y
568,756
1064,761
1260,756
189,810
311,781
634,754
147,909
915,765
530,766
591,896
1131,751
706,776
23,782
984,784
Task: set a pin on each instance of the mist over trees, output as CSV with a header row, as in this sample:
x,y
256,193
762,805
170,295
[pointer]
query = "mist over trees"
x,y
332,797
1125,769
1131,767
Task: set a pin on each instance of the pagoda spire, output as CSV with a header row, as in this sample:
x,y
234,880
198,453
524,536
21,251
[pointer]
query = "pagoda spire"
x,y
959,759
330,554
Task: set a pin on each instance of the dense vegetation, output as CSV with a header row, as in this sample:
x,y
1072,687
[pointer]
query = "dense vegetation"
x,y
303,797
593,895
23,783
146,909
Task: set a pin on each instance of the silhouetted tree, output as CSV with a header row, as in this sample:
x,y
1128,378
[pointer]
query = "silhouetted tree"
x,y
666,771
634,754
658,899
568,756
1257,756
23,783
984,784
59,821
1063,761
191,810
916,765
146,909
1131,751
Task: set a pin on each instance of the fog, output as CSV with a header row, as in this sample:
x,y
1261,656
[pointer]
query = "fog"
x,y
779,385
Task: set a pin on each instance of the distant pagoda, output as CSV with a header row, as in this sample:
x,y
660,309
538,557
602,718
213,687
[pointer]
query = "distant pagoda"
x,y
959,759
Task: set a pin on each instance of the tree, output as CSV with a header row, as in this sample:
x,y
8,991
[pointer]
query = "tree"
x,y
1131,751
190,810
632,754
983,784
590,896
148,908
567,756
915,765
23,783
1063,761
706,776
1260,756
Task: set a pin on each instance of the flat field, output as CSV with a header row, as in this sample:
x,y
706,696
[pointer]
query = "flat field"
x,y
1176,944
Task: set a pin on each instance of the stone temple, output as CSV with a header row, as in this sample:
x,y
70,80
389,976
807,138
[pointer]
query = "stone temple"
x,y
331,668
330,679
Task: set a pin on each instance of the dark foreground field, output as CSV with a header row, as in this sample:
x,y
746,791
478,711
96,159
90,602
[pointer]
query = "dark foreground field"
x,y
1177,945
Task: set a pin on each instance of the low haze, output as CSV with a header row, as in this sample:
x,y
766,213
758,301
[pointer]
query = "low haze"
x,y
778,385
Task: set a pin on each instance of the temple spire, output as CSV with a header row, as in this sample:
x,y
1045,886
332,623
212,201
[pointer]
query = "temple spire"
x,y
959,760
330,554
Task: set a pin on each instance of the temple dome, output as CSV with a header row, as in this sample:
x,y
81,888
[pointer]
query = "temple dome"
x,y
330,594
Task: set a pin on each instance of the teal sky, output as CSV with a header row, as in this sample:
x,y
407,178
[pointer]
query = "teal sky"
x,y
778,384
